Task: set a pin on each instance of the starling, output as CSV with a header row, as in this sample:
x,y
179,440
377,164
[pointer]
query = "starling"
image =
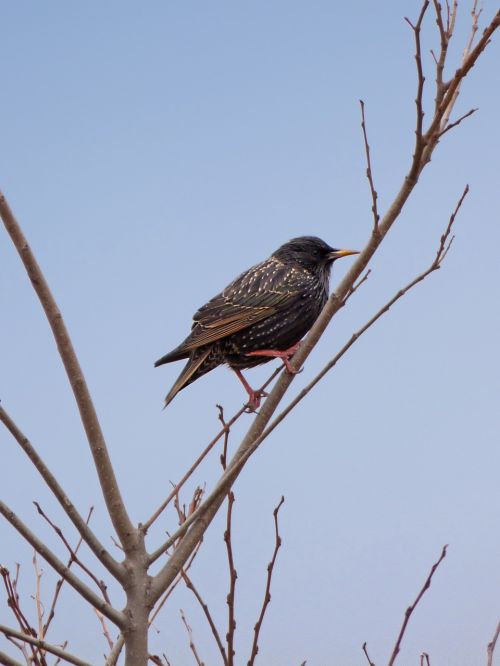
x,y
262,314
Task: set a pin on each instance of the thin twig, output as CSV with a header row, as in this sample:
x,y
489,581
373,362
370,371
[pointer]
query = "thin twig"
x,y
411,608
457,122
191,641
13,603
365,650
475,14
38,597
172,587
419,142
369,172
357,285
227,429
73,556
445,35
267,593
231,622
424,659
105,630
492,645
61,581
190,586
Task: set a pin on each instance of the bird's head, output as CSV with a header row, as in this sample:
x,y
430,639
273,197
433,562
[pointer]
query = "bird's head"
x,y
310,253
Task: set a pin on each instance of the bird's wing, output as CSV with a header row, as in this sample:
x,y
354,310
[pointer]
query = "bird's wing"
x,y
253,296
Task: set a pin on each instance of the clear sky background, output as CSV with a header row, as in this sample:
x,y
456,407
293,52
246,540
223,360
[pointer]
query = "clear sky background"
x,y
152,151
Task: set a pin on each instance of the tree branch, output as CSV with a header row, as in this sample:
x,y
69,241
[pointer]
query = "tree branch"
x,y
43,645
114,567
411,608
73,556
107,479
267,593
111,613
191,640
60,583
492,645
206,611
115,652
365,650
8,661
369,172
231,622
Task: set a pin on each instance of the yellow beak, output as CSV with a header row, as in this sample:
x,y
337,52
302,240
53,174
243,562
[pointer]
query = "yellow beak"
x,y
337,254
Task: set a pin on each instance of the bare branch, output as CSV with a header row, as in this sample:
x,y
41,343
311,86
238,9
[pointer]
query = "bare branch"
x,y
115,652
204,606
492,645
73,556
475,14
168,592
81,525
191,641
445,107
419,142
457,122
357,285
231,623
60,582
445,35
267,594
111,613
369,173
365,650
105,631
107,479
411,608
13,602
8,661
38,597
43,645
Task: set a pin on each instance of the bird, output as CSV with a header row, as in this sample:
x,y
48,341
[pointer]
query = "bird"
x,y
263,314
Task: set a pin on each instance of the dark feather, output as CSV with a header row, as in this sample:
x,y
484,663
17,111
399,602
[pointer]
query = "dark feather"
x,y
270,306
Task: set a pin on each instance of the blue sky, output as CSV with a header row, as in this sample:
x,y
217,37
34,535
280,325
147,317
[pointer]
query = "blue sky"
x,y
152,151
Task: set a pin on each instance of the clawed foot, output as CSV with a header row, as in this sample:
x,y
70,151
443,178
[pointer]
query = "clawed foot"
x,y
285,356
254,398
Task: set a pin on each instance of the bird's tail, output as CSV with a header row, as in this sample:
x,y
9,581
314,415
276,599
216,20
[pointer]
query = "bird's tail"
x,y
174,355
187,374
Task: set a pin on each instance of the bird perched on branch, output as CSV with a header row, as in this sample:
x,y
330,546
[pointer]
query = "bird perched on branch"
x,y
262,314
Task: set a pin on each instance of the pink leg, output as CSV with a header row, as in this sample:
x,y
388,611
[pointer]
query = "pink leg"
x,y
254,396
284,355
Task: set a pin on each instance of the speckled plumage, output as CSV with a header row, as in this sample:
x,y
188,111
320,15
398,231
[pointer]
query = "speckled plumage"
x,y
270,306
